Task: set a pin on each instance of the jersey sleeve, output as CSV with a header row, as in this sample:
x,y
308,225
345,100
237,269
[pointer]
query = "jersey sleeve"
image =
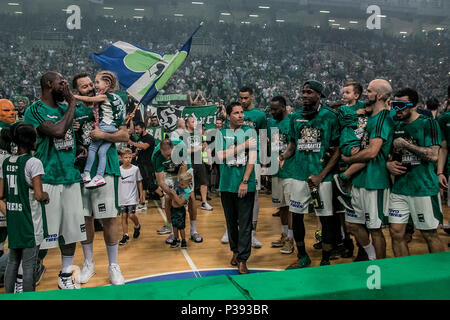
x,y
432,133
138,175
443,126
383,127
35,116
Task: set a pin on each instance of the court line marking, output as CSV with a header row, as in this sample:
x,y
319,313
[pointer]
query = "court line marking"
x,y
183,251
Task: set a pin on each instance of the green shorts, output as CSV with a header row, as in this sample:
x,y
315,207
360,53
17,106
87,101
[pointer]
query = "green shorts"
x,y
178,216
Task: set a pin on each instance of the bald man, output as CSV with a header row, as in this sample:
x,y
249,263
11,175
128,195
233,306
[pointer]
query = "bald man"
x,y
370,191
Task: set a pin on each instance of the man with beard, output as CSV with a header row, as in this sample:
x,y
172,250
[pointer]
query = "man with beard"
x,y
415,192
370,191
257,120
282,180
56,149
314,132
20,109
99,203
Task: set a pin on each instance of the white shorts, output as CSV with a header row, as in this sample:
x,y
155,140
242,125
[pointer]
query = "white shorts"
x,y
65,220
101,202
258,176
301,197
426,212
370,207
2,220
281,192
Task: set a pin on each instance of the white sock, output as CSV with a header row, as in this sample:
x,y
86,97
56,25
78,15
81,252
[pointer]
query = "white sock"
x,y
67,262
284,228
20,269
290,234
112,251
370,249
171,229
87,251
193,224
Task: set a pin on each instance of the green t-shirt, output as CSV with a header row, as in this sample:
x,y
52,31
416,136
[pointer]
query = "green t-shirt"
x,y
420,180
375,175
444,123
352,127
232,171
161,164
112,112
313,138
283,140
57,155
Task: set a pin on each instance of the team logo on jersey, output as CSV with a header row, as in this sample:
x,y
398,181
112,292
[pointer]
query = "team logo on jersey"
x,y
101,208
421,217
362,124
350,213
51,238
310,139
279,142
83,227
395,213
86,129
250,123
296,204
407,156
365,140
65,143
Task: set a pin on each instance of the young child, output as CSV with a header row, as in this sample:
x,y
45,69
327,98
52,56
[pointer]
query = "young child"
x,y
22,202
179,199
352,119
109,115
130,184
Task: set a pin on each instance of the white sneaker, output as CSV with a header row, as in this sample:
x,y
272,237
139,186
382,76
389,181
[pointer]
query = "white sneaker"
x,y
97,181
255,242
18,288
225,237
206,206
115,275
87,272
65,281
86,176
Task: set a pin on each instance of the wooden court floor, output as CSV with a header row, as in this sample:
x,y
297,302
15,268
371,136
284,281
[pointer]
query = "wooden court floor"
x,y
150,255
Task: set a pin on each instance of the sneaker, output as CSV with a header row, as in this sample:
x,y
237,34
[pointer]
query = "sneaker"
x,y
288,247
280,243
255,242
196,237
141,207
65,281
97,181
86,176
115,275
206,206
124,240
341,184
302,262
361,256
18,287
170,239
164,230
137,232
318,245
39,273
325,263
87,271
348,249
183,244
1,252
276,214
175,243
225,238
346,202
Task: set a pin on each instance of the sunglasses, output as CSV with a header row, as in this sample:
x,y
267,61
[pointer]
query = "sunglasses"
x,y
400,105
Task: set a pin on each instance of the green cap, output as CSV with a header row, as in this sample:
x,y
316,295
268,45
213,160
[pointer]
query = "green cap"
x,y
316,86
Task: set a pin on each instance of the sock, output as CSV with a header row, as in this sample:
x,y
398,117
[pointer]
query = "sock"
x,y
254,223
343,176
87,251
67,262
138,226
171,229
112,253
370,249
20,270
301,250
290,234
284,228
193,224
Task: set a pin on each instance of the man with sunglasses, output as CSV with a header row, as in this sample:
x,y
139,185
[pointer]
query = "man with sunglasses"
x,y
415,191
314,131
370,189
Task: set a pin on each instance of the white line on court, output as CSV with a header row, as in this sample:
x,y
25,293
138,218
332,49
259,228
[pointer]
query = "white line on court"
x,y
183,251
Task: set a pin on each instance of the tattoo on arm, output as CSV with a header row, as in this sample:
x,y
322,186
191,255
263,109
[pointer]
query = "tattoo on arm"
x,y
425,153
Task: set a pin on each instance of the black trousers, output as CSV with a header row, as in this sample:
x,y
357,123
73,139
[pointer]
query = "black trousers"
x,y
238,215
148,177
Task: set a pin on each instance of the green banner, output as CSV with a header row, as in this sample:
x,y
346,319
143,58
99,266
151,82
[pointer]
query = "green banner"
x,y
157,132
203,114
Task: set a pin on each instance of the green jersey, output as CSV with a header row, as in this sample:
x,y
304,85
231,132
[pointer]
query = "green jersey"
x,y
375,175
112,112
161,164
85,117
57,155
420,180
313,139
27,224
279,144
352,127
444,123
157,132
232,170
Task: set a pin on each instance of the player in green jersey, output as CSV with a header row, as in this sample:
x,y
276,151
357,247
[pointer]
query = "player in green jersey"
x,y
371,185
21,189
415,192
100,203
